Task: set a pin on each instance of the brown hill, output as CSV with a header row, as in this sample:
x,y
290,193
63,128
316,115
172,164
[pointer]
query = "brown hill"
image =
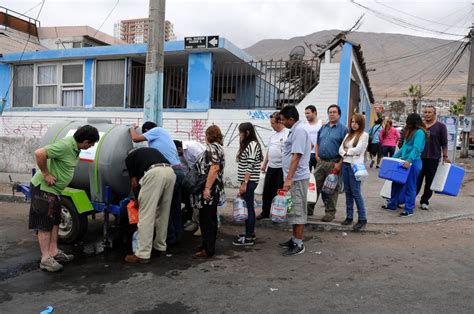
x,y
399,60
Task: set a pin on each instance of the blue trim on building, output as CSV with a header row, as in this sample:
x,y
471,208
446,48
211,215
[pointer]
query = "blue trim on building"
x,y
199,81
5,75
345,82
88,83
236,51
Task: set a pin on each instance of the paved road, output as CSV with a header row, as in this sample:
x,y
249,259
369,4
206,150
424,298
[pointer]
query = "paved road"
x,y
422,268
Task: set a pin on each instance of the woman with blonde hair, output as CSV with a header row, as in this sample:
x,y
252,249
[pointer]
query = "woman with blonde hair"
x,y
352,151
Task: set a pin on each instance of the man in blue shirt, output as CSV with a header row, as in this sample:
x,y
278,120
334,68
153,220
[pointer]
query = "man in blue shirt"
x,y
329,161
160,139
296,153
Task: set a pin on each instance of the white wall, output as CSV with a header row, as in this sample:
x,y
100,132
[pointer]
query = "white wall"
x,y
21,132
326,93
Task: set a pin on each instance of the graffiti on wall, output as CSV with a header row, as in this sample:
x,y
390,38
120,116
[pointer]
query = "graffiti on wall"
x,y
197,131
259,114
24,128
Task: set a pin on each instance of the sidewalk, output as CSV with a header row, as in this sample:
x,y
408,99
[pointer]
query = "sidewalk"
x,y
441,207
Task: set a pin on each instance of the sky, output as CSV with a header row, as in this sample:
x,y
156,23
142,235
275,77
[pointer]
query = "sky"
x,y
245,22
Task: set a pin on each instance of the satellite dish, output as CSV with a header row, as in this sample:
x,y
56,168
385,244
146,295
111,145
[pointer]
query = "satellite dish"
x,y
297,53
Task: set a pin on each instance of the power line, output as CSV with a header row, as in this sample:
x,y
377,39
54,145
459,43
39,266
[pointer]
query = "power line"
x,y
23,52
108,15
418,17
400,22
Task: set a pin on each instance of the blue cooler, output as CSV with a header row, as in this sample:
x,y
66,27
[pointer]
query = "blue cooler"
x,y
448,179
392,169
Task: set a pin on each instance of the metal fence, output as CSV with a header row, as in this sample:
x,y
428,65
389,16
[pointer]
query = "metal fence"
x,y
263,84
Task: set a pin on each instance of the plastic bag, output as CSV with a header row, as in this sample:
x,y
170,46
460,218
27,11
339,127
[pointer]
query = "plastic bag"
x,y
282,206
330,183
261,183
240,209
360,172
135,239
132,213
312,193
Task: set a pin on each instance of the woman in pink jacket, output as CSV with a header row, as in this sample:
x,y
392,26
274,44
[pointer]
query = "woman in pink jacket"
x,y
389,137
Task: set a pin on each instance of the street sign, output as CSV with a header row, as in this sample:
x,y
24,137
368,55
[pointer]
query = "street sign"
x,y
201,42
212,41
198,42
467,123
451,123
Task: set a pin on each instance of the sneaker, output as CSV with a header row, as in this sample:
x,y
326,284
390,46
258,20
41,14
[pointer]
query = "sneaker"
x,y
287,245
346,222
254,237
372,162
50,265
295,250
359,225
192,226
405,214
62,257
243,241
425,206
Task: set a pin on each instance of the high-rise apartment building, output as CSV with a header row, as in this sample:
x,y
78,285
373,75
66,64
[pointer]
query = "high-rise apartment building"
x,y
135,31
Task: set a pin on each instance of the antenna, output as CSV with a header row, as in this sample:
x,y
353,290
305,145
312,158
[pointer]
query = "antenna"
x,y
297,53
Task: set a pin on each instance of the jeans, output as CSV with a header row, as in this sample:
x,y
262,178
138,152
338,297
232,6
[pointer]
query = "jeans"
x,y
353,193
175,225
249,198
408,189
273,182
428,171
388,151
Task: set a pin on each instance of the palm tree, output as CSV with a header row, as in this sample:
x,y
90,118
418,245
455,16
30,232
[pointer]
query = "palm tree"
x,y
414,92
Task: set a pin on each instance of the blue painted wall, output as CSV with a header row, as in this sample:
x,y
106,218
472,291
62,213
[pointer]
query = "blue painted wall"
x,y
88,83
345,81
5,75
199,81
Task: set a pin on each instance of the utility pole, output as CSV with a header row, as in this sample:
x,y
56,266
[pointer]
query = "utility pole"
x,y
470,83
154,77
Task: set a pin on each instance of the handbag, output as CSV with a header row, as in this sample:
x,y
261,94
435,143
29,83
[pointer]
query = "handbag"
x,y
194,180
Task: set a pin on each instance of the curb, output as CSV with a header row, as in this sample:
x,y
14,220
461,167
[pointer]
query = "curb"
x,y
12,198
313,226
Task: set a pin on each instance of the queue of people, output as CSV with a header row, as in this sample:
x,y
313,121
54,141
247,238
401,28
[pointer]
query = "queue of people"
x,y
294,149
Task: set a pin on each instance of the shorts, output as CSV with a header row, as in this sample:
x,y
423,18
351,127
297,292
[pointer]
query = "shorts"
x,y
299,194
375,149
45,209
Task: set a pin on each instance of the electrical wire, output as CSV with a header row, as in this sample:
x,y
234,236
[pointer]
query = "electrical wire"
x,y
23,52
418,17
400,22
36,5
108,15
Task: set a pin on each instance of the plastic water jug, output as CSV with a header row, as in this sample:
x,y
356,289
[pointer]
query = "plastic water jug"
x,y
135,239
281,203
240,209
360,172
330,183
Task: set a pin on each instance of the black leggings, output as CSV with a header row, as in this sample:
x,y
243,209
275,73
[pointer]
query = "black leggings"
x,y
388,151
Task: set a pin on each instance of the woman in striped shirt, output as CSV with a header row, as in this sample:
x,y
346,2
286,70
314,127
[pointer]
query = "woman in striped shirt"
x,y
249,160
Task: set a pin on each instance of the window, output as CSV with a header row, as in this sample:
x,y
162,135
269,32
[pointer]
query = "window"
x,y
72,85
46,84
23,85
110,81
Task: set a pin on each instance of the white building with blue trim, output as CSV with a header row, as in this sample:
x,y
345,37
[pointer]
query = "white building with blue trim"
x,y
201,86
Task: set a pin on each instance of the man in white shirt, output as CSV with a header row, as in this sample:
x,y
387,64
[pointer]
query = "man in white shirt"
x,y
272,164
190,152
312,127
